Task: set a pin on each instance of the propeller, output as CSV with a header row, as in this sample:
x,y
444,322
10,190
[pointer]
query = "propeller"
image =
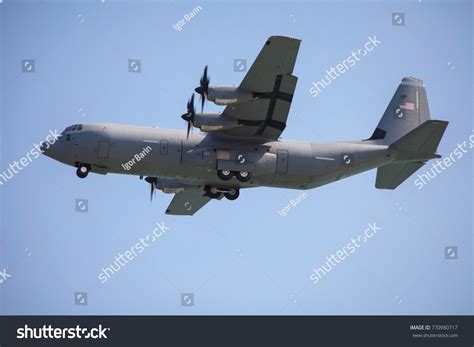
x,y
189,115
203,88
153,184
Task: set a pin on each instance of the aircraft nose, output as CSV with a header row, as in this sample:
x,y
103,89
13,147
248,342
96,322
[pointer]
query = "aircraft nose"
x,y
49,150
198,90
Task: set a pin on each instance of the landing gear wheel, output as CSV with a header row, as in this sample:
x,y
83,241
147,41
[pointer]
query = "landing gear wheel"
x,y
82,171
243,176
225,175
232,194
213,193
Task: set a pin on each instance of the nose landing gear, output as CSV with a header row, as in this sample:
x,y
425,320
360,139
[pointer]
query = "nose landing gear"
x,y
83,170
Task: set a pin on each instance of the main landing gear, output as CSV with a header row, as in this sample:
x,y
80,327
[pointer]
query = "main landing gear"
x,y
232,194
216,193
226,175
83,170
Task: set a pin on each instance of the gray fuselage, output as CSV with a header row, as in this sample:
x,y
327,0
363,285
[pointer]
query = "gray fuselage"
x,y
165,153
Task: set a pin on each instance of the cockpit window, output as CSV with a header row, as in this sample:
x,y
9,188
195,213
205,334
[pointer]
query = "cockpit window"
x,y
75,127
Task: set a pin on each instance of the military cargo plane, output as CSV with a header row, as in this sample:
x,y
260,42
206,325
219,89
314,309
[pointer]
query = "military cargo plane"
x,y
241,147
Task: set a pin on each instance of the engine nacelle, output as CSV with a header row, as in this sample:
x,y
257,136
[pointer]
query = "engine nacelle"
x,y
168,185
214,121
225,95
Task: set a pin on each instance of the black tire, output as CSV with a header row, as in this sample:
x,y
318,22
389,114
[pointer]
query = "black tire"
x,y
82,171
211,194
225,175
232,195
243,176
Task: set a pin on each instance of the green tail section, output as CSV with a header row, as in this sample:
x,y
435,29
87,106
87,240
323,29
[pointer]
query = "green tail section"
x,y
412,152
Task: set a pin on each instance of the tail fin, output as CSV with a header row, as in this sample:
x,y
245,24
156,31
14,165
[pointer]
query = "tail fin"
x,y
412,151
407,110
406,127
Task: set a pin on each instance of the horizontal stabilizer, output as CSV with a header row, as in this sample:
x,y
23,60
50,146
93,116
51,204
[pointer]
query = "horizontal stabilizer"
x,y
420,143
392,175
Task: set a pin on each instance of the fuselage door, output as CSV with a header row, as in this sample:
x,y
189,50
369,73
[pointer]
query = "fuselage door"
x,y
103,150
282,161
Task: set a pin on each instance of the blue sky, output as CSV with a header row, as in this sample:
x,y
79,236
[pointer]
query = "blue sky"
x,y
237,257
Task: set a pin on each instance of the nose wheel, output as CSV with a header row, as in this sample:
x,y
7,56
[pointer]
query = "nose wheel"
x,y
83,170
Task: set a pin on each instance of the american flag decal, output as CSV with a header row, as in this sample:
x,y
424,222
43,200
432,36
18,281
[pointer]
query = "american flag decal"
x,y
408,106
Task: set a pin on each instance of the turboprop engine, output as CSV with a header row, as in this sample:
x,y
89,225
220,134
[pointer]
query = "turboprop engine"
x,y
214,121
207,121
221,95
225,95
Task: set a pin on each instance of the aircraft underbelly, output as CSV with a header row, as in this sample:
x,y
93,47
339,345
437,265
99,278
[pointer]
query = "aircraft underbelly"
x,y
285,181
294,165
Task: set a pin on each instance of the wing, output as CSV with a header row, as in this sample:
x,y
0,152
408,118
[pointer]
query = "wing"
x,y
187,202
271,81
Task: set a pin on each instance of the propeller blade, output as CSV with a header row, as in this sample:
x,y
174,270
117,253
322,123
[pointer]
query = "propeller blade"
x,y
203,100
153,181
191,106
203,88
189,116
152,190
204,77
